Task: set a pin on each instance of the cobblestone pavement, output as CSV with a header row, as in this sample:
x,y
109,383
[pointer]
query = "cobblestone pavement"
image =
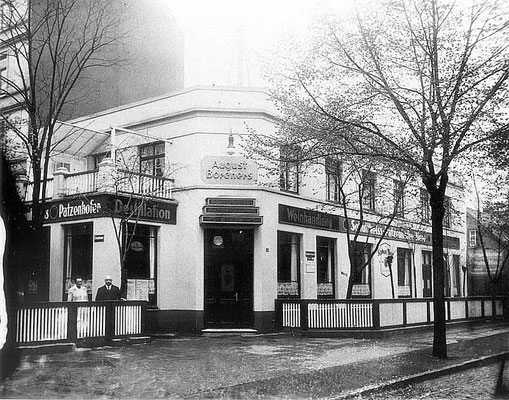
x,y
487,382
273,366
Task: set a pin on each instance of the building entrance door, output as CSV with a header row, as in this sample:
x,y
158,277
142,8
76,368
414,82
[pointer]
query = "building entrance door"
x,y
228,278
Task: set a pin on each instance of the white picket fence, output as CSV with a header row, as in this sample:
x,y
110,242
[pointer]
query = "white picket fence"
x,y
68,322
376,314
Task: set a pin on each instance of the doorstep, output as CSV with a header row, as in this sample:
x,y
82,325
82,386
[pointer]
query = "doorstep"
x,y
228,332
47,348
130,340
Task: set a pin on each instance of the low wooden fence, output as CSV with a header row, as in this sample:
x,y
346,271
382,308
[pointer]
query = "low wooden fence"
x,y
39,323
347,315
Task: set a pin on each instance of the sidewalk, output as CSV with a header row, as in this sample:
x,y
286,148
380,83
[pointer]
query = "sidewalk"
x,y
271,366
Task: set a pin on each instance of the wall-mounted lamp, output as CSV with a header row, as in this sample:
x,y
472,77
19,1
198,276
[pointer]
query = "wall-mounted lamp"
x,y
231,146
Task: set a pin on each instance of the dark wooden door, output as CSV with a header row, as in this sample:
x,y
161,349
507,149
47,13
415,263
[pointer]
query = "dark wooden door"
x,y
228,278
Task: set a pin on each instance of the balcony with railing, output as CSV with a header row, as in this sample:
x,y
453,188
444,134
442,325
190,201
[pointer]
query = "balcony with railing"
x,y
106,179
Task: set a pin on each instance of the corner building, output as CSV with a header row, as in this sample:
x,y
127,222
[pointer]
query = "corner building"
x,y
219,236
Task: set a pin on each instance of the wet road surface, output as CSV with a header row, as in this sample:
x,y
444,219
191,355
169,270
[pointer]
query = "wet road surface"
x,y
254,366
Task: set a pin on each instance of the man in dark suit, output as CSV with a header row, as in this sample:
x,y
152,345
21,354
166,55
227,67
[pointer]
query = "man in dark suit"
x,y
108,291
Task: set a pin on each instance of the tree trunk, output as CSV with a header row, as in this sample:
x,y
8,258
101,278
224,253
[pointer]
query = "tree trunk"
x,y
351,280
437,237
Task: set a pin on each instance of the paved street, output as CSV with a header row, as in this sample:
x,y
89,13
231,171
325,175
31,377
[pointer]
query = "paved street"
x,y
475,384
277,365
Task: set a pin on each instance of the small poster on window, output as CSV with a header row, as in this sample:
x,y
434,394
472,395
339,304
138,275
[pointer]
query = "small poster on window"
x,y
142,289
137,289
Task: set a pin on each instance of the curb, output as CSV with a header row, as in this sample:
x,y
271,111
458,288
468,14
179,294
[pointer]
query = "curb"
x,y
394,383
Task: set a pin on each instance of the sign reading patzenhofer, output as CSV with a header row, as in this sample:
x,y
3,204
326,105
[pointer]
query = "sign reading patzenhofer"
x,y
228,170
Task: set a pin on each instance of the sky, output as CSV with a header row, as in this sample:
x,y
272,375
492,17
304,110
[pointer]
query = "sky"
x,y
212,29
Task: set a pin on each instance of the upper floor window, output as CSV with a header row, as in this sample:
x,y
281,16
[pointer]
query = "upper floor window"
x,y
368,193
472,237
448,212
399,198
289,169
333,179
424,207
152,159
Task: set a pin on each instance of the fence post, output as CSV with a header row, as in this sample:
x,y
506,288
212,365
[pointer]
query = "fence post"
x,y
304,321
110,320
72,322
376,314
144,317
278,317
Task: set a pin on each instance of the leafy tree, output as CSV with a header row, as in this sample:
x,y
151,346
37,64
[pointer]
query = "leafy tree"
x,y
417,82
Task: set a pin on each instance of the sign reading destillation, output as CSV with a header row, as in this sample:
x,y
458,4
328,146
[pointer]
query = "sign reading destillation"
x,y
111,205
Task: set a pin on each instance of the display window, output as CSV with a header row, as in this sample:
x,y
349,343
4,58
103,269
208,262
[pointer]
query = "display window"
x,y
362,263
288,264
78,255
141,261
325,266
404,272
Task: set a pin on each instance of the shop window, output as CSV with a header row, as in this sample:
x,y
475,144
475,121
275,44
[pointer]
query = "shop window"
x,y
368,190
456,281
289,169
152,159
427,277
288,264
404,272
424,206
78,254
141,261
399,198
333,172
361,256
325,265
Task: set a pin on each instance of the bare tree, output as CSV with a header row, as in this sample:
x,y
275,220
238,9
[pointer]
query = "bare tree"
x,y
47,47
50,44
418,82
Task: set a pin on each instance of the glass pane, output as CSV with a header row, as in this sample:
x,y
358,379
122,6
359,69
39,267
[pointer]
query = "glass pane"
x,y
159,148
147,151
147,167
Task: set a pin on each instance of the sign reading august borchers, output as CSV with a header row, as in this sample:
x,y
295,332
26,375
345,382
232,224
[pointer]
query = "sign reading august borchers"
x,y
228,170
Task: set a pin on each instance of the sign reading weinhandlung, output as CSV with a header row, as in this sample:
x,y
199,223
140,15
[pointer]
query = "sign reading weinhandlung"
x,y
319,220
111,205
310,218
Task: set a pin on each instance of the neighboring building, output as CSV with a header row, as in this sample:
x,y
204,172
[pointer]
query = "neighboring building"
x,y
221,236
479,281
150,50
153,54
